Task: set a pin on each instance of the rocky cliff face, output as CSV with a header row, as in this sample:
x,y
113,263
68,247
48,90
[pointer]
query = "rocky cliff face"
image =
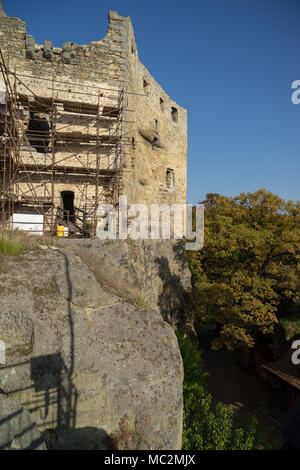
x,y
18,430
96,368
154,271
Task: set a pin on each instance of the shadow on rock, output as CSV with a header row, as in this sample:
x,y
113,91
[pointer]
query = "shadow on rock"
x,y
173,295
87,438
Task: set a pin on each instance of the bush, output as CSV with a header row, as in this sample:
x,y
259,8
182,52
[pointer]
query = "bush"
x,y
203,427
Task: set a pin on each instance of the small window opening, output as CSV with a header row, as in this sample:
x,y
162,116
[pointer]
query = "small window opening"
x,y
133,143
132,49
174,114
156,125
162,104
154,143
38,132
170,179
146,86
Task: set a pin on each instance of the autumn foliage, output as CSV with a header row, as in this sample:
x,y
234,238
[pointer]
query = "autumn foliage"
x,y
248,269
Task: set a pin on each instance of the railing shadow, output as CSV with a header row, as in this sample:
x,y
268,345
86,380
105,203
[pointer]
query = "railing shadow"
x,y
52,394
173,293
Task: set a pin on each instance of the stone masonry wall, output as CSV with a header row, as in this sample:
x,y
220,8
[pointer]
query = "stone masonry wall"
x,y
155,155
101,61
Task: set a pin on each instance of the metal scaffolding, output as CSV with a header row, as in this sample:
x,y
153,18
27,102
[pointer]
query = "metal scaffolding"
x,y
72,134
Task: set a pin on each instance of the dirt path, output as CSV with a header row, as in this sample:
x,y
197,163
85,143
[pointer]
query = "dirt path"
x,y
246,393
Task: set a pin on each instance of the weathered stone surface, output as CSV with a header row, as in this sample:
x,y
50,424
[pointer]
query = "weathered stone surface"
x,y
155,270
30,47
48,51
66,53
18,430
17,332
96,359
2,12
151,137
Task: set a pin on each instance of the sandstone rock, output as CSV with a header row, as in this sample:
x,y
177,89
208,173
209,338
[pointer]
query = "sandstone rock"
x,y
30,46
151,137
155,270
48,51
96,360
17,332
66,53
18,430
2,12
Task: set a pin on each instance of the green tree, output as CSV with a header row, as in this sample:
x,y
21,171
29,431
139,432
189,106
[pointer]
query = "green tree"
x,y
203,427
248,269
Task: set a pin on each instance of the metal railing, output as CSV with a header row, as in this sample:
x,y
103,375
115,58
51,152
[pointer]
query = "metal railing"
x,y
76,221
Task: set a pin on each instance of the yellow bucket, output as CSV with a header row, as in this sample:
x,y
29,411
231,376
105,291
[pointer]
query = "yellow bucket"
x,y
60,231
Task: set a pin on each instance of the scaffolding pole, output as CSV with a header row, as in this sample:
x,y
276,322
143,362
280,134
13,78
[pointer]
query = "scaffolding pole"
x,y
43,145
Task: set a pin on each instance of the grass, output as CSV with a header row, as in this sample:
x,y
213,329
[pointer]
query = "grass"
x,y
14,242
10,247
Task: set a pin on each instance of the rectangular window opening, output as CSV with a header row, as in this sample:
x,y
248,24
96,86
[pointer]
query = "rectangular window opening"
x,y
174,114
170,179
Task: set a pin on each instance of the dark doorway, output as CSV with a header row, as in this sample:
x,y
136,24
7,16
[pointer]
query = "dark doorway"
x,y
68,205
38,132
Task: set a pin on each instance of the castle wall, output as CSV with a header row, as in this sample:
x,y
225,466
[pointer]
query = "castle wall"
x,y
100,63
153,121
154,157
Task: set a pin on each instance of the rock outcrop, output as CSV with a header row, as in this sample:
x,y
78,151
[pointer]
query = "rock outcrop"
x,y
17,427
156,270
95,370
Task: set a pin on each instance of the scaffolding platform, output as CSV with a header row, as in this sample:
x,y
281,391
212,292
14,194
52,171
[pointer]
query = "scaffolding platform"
x,y
50,136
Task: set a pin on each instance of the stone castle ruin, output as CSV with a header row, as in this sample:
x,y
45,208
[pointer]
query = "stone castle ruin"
x,y
81,125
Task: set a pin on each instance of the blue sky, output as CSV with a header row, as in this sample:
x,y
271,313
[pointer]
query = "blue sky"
x,y
230,63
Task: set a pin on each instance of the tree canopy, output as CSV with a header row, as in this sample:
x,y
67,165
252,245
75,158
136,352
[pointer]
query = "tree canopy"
x,y
248,269
206,427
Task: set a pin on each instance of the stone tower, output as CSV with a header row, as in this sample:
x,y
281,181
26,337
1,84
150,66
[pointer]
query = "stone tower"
x,y
89,123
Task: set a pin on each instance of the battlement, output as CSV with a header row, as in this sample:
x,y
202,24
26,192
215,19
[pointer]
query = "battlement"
x,y
101,59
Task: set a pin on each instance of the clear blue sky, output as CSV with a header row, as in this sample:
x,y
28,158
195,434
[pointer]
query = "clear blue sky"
x,y
230,63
